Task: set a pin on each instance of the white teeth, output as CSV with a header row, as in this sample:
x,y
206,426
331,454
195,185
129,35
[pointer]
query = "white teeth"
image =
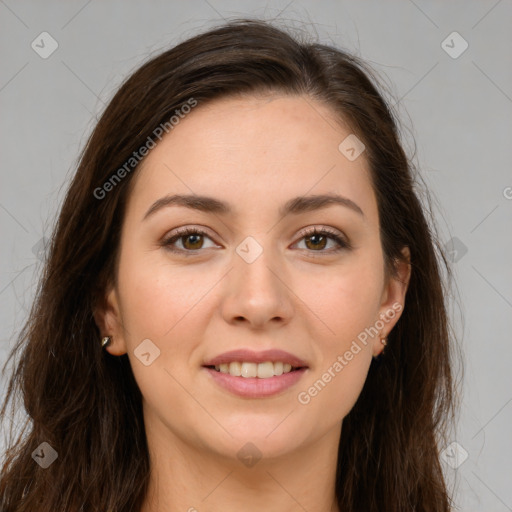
x,y
249,369
261,370
235,369
265,370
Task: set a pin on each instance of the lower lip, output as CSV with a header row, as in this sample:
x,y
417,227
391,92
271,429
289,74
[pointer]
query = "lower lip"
x,y
253,387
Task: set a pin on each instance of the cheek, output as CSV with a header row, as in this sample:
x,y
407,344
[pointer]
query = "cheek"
x,y
166,306
349,307
348,304
172,308
345,299
158,296
333,391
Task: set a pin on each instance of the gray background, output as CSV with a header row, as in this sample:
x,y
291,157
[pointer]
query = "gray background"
x,y
457,109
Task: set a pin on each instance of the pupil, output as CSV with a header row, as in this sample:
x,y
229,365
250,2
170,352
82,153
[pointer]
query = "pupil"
x,y
316,240
195,239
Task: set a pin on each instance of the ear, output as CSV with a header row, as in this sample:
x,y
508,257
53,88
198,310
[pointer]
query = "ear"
x,y
108,319
393,298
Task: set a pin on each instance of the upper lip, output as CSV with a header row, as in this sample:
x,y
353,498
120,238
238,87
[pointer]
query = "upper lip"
x,y
250,356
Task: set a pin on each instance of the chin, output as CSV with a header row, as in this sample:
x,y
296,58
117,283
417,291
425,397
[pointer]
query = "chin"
x,y
265,437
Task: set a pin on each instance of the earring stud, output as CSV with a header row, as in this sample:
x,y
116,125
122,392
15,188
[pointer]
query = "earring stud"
x,y
384,341
105,341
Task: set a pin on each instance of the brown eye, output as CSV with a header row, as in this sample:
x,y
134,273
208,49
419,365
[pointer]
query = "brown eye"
x,y
316,241
190,239
195,241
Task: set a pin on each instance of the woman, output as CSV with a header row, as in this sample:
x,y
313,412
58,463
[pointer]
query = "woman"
x,y
242,307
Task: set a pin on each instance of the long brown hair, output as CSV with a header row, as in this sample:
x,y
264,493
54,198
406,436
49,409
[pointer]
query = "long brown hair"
x,y
86,404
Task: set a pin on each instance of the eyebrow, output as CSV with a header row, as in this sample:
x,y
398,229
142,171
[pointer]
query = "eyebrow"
x,y
294,206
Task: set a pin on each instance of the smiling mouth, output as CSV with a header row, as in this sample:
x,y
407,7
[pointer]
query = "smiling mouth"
x,y
264,370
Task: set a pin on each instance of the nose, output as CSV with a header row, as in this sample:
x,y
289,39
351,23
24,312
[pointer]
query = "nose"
x,y
256,293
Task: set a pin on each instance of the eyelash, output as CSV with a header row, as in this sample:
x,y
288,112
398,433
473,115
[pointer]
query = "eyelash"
x,y
183,232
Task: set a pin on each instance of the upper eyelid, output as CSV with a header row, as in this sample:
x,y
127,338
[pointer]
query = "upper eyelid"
x,y
316,227
182,230
307,231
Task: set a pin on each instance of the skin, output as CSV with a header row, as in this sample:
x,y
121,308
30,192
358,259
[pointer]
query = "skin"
x,y
255,153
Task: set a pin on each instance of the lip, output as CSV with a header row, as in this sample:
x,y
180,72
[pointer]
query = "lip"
x,y
253,387
250,356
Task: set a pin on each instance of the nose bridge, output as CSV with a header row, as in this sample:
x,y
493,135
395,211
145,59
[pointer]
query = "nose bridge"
x,y
258,267
256,291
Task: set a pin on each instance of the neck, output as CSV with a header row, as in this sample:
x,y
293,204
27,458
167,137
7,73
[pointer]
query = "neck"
x,y
192,479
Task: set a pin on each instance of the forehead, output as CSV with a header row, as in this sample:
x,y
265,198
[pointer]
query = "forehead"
x,y
252,151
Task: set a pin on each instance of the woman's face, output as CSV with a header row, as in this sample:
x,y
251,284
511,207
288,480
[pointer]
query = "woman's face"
x,y
251,276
